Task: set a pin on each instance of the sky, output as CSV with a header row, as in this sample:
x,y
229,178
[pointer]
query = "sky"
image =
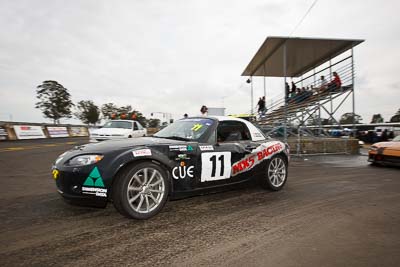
x,y
175,56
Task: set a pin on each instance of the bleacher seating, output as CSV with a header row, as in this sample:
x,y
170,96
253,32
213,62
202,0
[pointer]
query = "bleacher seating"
x,y
310,99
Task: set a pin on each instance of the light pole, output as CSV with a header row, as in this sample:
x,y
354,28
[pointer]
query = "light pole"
x,y
250,81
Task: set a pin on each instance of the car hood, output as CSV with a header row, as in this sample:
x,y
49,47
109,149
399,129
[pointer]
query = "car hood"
x,y
112,145
391,145
111,131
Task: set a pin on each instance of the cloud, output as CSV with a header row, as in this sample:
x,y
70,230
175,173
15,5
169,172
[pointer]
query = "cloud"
x,y
175,56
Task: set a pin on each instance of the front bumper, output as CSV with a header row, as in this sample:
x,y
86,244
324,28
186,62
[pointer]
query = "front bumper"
x,y
382,158
71,186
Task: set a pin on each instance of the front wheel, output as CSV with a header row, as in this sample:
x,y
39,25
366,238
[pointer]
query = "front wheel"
x,y
141,191
275,175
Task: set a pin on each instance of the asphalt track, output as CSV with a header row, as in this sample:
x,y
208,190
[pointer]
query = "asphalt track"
x,y
334,211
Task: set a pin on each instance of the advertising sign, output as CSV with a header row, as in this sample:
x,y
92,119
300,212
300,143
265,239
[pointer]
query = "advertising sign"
x,y
3,133
57,131
79,131
28,132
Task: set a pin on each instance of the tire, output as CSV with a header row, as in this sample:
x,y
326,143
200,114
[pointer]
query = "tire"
x,y
134,198
275,175
375,164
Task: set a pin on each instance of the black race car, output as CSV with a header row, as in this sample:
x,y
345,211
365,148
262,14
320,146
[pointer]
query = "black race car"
x,y
190,156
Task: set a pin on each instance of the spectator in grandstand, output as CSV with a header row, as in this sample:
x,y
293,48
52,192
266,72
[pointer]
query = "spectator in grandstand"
x,y
308,92
297,96
293,87
336,83
265,105
291,95
324,84
303,94
204,110
312,89
264,108
261,105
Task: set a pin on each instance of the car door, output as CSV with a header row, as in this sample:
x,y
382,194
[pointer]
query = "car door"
x,y
142,131
223,161
136,131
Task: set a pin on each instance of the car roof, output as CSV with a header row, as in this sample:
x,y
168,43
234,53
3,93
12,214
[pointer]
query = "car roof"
x,y
255,133
228,118
122,120
219,118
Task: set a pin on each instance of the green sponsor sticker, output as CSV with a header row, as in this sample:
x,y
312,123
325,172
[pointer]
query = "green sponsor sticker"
x,y
94,179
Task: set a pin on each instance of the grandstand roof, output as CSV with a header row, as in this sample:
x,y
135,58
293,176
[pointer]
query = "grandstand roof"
x,y
303,54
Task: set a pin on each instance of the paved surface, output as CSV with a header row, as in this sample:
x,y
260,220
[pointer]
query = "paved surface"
x,y
334,211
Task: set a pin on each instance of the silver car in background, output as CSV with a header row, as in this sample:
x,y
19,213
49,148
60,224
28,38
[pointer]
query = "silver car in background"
x,y
118,129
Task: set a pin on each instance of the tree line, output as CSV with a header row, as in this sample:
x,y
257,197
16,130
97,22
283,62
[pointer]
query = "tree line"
x,y
55,103
347,118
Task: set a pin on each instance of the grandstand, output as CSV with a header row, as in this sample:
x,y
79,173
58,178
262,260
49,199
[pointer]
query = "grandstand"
x,y
304,60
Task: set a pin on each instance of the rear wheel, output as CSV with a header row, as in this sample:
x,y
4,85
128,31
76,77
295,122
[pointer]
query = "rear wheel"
x,y
141,191
275,175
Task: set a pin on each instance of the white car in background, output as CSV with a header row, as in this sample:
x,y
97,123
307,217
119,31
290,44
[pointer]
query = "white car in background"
x,y
118,129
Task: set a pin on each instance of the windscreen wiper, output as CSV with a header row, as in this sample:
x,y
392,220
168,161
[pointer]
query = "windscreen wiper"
x,y
177,138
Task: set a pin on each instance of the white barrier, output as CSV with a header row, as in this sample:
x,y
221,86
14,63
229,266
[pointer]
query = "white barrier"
x,y
57,131
79,131
3,133
29,132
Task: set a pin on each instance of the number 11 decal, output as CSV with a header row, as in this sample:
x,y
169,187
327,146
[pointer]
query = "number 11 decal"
x,y
215,166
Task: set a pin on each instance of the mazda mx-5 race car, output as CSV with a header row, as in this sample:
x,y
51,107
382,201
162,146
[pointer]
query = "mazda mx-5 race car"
x,y
191,156
385,152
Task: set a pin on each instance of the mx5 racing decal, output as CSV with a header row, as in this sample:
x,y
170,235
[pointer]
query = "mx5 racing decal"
x,y
257,155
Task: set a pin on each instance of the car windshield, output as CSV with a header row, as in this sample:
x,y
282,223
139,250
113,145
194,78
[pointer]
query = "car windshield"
x,y
396,139
187,129
118,124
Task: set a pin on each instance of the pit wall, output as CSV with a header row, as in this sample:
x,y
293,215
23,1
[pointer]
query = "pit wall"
x,y
323,146
297,146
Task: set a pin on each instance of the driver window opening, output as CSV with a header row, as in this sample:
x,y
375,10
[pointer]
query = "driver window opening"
x,y
231,131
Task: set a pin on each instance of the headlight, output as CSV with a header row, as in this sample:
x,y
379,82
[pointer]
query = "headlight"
x,y
373,148
60,158
85,160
